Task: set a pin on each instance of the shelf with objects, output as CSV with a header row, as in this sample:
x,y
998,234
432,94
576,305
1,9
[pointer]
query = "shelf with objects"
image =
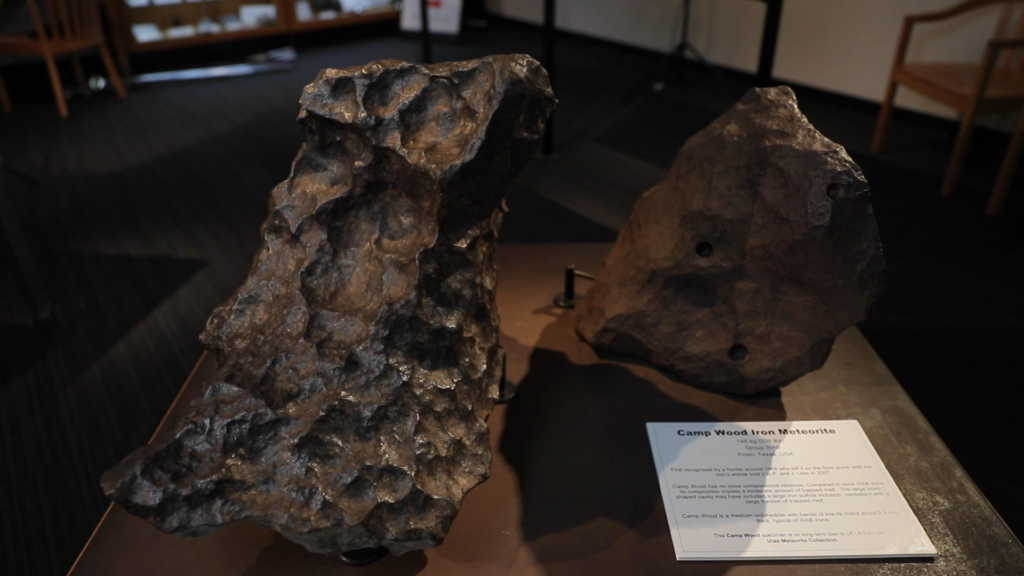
x,y
147,25
318,14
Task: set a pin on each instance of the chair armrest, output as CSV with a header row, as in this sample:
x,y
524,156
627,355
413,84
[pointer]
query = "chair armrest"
x,y
999,44
988,62
948,12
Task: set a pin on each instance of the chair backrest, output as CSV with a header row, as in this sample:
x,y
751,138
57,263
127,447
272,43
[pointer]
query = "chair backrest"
x,y
66,20
1011,25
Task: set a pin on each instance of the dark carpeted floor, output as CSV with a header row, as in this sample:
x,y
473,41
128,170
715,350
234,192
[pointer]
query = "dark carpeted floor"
x,y
147,216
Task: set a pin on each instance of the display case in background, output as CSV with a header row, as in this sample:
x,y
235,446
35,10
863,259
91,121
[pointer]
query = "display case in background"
x,y
145,25
316,14
156,24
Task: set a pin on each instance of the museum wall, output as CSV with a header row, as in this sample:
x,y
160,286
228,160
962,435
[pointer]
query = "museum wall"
x,y
839,46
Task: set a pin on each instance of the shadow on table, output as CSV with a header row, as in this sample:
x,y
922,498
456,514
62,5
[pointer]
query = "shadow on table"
x,y
283,557
576,437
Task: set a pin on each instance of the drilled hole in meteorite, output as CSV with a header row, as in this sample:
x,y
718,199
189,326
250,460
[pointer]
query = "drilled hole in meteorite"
x,y
704,249
834,190
738,353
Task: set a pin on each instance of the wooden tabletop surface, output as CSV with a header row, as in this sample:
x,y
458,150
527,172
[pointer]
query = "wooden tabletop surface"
x,y
573,488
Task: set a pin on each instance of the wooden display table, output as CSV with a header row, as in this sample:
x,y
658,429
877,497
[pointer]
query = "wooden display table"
x,y
573,488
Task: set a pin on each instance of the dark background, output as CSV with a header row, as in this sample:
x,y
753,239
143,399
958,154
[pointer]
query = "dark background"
x,y
147,214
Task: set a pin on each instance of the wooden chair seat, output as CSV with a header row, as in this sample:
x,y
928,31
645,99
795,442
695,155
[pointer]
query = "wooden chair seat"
x,y
29,45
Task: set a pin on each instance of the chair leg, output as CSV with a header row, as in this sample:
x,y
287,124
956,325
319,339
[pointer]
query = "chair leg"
x,y
115,78
58,88
5,100
117,41
76,67
956,161
1006,173
884,115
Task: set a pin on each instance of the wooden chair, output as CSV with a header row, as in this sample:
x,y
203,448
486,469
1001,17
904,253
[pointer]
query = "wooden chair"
x,y
5,101
61,27
994,85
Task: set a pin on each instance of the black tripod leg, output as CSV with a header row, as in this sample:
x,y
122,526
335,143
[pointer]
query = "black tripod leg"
x,y
685,45
702,61
661,71
677,54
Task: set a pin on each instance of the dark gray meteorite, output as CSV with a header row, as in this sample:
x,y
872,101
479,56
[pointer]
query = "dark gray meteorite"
x,y
359,361
738,271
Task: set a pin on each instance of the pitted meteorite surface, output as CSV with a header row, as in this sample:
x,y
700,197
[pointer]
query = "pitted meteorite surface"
x,y
359,360
738,271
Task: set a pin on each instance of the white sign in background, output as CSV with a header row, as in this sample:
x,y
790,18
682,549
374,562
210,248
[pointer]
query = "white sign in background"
x,y
772,490
443,16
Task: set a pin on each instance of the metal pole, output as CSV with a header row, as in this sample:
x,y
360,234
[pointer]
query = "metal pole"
x,y
570,282
427,57
769,39
685,36
549,64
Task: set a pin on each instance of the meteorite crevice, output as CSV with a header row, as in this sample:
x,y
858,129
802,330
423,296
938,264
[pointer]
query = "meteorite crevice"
x,y
358,362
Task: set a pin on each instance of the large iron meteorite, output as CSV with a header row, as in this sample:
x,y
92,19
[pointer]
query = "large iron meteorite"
x,y
359,360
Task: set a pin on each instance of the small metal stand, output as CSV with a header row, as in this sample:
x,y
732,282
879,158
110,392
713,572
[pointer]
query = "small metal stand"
x,y
508,392
508,389
363,556
568,298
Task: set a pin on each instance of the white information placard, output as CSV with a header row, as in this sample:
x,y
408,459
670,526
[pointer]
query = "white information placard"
x,y
771,490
